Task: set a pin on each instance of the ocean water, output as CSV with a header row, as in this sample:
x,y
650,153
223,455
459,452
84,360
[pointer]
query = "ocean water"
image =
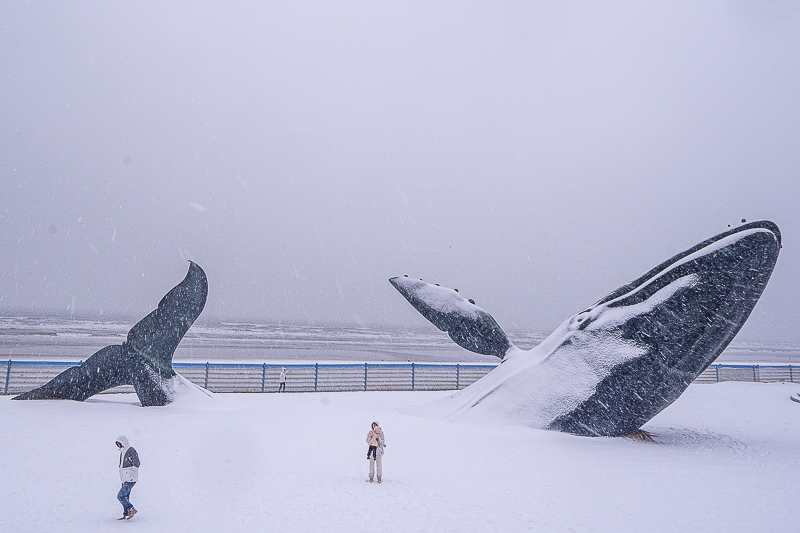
x,y
59,338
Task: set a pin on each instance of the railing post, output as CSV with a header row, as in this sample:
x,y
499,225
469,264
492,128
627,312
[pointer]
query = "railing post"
x,y
413,384
755,377
8,375
716,367
365,376
458,376
316,375
791,377
205,383
263,376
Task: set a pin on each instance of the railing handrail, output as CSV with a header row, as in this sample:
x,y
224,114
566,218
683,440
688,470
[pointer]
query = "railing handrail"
x,y
186,364
340,375
183,364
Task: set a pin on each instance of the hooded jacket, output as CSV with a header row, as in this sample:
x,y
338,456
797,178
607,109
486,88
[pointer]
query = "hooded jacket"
x,y
128,461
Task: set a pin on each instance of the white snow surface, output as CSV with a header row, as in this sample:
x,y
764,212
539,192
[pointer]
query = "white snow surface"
x,y
726,459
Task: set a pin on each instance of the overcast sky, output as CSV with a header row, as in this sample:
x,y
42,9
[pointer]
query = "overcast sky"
x,y
535,155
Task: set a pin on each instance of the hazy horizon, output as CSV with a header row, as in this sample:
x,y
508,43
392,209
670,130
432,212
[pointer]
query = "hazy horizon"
x,y
534,155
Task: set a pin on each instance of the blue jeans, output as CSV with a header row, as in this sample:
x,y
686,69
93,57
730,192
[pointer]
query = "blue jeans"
x,y
124,494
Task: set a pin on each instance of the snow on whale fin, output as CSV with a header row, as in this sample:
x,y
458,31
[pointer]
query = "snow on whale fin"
x,y
144,360
467,324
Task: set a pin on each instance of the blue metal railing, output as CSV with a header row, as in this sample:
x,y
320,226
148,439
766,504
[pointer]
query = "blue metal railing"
x,y
391,373
337,376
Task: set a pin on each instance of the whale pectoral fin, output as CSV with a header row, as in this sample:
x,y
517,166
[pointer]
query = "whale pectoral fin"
x,y
155,337
106,369
467,324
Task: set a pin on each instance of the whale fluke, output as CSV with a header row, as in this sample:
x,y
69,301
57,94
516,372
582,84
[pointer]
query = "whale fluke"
x,y
467,324
144,360
612,367
106,369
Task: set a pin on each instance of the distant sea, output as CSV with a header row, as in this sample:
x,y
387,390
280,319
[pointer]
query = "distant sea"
x,y
59,338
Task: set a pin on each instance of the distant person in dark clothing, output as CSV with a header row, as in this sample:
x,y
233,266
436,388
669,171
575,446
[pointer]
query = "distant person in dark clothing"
x,y
128,474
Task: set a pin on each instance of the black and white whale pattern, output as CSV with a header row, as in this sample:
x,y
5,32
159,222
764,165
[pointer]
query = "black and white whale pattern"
x,y
144,360
609,369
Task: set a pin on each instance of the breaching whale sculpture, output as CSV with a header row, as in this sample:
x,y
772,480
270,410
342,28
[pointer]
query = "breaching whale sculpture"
x,y
144,360
609,369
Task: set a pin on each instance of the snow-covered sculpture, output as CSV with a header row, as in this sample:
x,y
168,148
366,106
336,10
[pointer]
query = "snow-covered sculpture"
x,y
611,368
144,360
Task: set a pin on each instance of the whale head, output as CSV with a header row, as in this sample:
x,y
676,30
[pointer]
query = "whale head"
x,y
651,338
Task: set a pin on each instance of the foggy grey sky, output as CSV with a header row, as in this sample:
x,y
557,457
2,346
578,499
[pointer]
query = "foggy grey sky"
x,y
535,155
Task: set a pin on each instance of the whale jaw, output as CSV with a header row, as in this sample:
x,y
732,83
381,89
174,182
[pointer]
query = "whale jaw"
x,y
668,326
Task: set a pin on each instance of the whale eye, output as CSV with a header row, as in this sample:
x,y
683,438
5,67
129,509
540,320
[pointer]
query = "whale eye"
x,y
582,319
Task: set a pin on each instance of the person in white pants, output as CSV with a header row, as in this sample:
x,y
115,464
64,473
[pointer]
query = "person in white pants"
x,y
376,442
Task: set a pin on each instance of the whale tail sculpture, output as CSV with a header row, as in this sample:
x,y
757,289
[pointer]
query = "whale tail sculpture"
x,y
144,360
612,367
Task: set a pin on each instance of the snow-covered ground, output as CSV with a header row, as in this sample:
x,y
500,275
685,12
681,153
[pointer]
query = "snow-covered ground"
x,y
727,458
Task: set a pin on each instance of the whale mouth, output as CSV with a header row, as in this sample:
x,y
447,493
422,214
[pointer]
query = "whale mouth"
x,y
672,323
760,241
712,286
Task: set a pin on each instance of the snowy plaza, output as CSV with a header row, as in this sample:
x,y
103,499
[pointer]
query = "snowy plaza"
x,y
725,459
